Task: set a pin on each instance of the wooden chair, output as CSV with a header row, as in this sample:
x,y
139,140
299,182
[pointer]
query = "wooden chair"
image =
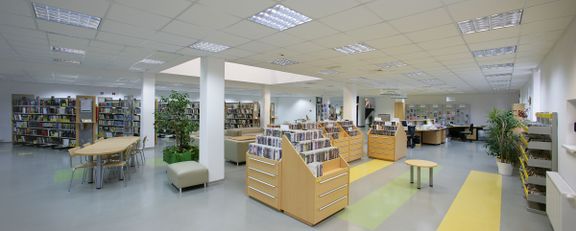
x,y
83,165
121,163
141,145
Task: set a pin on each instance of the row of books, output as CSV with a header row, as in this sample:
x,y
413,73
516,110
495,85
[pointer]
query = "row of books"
x,y
308,145
303,126
276,132
269,140
113,110
45,110
300,135
320,155
112,117
37,125
45,102
333,135
49,141
239,116
382,128
117,123
45,133
44,118
262,150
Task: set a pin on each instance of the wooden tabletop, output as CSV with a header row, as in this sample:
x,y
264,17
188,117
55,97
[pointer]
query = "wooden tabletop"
x,y
421,163
108,146
242,138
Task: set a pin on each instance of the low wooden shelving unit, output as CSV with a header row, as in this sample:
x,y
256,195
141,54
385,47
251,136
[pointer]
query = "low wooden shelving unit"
x,y
387,142
263,180
346,137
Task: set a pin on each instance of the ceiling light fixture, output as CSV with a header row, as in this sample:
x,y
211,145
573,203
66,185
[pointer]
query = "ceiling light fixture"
x,y
494,51
415,74
137,69
280,18
151,61
59,60
492,22
208,46
355,48
283,61
68,50
64,16
390,65
490,67
328,72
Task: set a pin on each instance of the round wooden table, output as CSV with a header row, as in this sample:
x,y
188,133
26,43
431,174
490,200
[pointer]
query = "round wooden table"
x,y
421,164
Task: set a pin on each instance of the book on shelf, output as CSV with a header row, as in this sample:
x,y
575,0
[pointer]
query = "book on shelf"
x,y
383,128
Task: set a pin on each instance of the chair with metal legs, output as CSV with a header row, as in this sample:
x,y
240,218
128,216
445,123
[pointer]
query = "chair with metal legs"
x,y
121,163
82,165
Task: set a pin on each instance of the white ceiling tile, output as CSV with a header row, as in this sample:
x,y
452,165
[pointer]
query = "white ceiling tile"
x,y
530,3
305,47
17,20
119,39
546,25
185,29
137,17
106,47
380,30
402,50
387,42
334,41
449,50
311,30
18,7
444,31
66,41
66,29
208,17
161,46
441,43
17,33
282,39
248,29
393,9
544,36
549,11
257,47
493,44
165,37
169,9
351,18
224,38
319,8
504,33
92,7
126,29
242,9
479,8
422,21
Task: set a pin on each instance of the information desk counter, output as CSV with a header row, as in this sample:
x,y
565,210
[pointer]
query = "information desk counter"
x,y
432,136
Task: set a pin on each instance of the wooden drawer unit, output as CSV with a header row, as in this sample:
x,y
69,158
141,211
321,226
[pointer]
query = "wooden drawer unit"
x,y
389,148
263,180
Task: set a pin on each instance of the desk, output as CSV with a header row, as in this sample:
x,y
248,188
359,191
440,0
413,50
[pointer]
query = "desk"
x,y
456,129
421,164
432,136
105,147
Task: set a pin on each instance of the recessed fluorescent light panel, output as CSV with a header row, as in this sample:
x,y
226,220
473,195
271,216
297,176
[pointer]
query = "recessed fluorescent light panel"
x,y
491,67
137,69
208,46
68,50
390,65
494,51
58,60
415,74
152,61
492,22
506,76
328,72
355,48
64,16
283,61
280,18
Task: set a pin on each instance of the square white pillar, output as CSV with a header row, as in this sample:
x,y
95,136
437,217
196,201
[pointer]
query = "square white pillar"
x,y
148,107
349,95
212,88
265,107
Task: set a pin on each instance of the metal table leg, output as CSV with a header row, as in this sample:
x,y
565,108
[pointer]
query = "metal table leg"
x,y
122,168
99,172
431,177
418,178
411,174
91,172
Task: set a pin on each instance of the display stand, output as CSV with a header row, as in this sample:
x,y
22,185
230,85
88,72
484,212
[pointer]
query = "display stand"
x,y
308,198
387,142
263,181
346,137
541,155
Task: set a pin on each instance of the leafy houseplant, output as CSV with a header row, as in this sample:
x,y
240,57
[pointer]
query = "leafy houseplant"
x,y
502,142
173,117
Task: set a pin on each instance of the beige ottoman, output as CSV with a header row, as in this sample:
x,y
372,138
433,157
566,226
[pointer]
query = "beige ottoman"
x,y
186,174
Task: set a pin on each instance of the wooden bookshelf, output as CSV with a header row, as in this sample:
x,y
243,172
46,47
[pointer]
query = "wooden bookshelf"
x,y
118,117
348,139
242,115
311,199
263,181
45,122
387,142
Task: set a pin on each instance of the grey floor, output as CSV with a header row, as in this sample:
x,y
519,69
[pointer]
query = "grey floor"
x,y
33,196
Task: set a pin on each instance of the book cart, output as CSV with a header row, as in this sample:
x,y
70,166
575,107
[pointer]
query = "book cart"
x,y
387,142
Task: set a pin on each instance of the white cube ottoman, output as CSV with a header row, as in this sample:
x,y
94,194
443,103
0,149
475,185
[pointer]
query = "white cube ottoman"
x,y
186,174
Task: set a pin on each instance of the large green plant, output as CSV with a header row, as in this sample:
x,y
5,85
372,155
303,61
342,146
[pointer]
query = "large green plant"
x,y
173,116
503,141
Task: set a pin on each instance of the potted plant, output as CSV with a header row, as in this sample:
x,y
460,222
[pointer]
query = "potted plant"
x,y
502,140
173,117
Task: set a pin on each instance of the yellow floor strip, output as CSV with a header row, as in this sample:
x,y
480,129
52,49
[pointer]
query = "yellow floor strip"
x,y
365,169
477,205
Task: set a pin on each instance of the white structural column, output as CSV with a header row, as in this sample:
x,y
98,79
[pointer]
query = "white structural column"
x,y
349,95
212,116
148,108
265,110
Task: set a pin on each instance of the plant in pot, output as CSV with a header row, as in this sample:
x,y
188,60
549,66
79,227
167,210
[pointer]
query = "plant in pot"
x,y
173,117
502,140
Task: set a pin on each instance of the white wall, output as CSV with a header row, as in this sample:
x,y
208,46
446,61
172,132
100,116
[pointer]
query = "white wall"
x,y
557,85
480,104
384,105
526,94
293,108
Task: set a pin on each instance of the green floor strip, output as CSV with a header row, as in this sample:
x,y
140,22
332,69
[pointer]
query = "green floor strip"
x,y
155,162
24,154
63,175
370,211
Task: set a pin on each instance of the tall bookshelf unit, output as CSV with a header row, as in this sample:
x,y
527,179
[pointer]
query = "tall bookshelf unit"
x,y
540,156
387,142
242,115
118,117
46,122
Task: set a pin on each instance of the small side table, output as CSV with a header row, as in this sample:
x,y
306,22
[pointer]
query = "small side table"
x,y
421,164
